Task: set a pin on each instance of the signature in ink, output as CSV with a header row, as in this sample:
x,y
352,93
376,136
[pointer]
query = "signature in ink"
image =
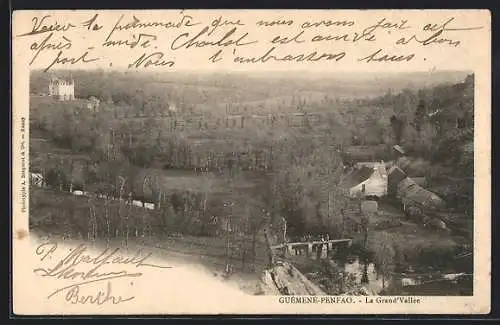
x,y
74,296
70,268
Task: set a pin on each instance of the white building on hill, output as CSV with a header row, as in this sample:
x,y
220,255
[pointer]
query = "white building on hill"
x,y
62,89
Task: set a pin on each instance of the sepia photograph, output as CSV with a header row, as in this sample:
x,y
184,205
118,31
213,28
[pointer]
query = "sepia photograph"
x,y
251,162
284,184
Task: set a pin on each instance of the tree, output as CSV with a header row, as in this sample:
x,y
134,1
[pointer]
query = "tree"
x,y
228,231
206,192
420,115
306,188
92,231
397,129
385,253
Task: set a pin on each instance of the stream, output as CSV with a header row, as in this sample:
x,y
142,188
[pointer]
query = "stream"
x,y
410,282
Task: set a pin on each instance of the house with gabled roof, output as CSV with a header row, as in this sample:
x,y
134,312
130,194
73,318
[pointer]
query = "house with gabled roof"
x,y
366,181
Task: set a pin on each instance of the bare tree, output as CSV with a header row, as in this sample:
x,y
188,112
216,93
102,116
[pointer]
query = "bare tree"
x,y
108,222
228,231
384,256
206,189
92,234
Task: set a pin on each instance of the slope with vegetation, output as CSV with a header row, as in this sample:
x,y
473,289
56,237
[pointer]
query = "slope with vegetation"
x,y
228,183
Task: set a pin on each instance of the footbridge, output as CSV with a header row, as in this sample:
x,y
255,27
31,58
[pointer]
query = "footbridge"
x,y
321,247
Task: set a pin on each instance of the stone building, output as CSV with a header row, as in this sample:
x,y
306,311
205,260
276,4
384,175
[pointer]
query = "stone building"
x,y
62,89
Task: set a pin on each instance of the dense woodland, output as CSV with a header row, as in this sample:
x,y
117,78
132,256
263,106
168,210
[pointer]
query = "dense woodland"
x,y
211,176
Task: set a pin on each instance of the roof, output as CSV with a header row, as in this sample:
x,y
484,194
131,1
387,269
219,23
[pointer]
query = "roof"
x,y
381,170
410,192
356,176
396,175
37,176
58,78
420,180
395,171
399,149
403,163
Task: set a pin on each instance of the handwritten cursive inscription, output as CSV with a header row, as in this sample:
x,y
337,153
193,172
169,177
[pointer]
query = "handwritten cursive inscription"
x,y
60,59
328,23
379,56
433,39
142,40
45,44
74,296
184,21
40,26
153,59
387,25
91,23
185,40
346,37
156,43
277,22
222,22
436,38
70,268
300,57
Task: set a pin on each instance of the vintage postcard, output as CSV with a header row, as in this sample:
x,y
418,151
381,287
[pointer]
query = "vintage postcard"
x,y
251,162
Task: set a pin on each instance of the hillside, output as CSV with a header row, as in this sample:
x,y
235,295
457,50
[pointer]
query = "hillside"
x,y
239,152
217,93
